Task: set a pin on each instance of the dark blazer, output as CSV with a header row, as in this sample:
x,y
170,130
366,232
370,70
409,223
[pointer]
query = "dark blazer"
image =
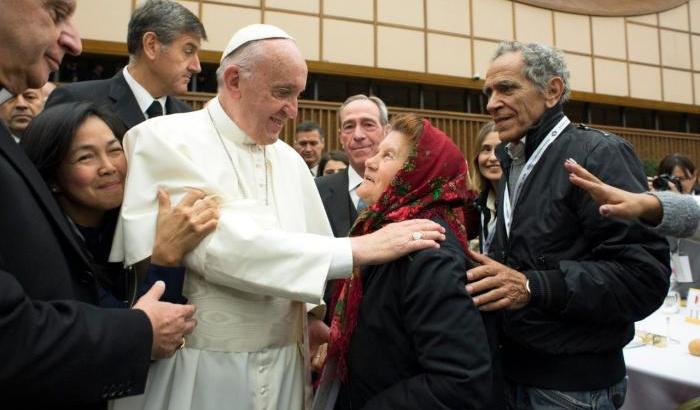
x,y
337,202
56,348
341,214
115,95
420,343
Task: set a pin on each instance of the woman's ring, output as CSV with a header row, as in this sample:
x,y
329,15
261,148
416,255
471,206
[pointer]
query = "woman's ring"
x,y
417,236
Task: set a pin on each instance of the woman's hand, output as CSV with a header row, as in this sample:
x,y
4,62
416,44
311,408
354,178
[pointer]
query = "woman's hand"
x,y
319,335
182,228
615,202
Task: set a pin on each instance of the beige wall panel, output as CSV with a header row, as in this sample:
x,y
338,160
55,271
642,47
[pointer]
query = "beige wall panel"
x,y
192,6
695,41
573,32
304,29
348,42
675,18
645,82
694,16
357,9
255,3
609,36
91,16
404,12
675,49
449,55
493,19
643,43
308,6
696,79
646,19
483,52
581,72
610,77
222,21
677,86
448,15
400,49
533,24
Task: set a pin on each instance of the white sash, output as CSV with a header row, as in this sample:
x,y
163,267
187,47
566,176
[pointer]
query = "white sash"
x,y
529,166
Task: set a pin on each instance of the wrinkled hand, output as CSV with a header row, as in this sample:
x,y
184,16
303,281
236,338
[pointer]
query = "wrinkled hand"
x,y
170,322
615,202
494,286
394,241
319,335
182,228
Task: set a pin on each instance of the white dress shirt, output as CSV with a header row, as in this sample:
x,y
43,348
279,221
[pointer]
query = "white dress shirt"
x,y
143,98
354,180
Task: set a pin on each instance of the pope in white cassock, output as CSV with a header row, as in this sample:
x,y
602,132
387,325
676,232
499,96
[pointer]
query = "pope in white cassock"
x,y
273,248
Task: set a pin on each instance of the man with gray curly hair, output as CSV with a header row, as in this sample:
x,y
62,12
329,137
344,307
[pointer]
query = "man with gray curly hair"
x,y
569,283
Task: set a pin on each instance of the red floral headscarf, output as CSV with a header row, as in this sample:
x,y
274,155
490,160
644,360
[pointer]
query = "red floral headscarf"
x,y
430,184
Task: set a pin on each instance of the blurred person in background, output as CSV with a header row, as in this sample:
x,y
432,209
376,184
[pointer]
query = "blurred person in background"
x,y
18,111
309,142
485,179
332,162
676,172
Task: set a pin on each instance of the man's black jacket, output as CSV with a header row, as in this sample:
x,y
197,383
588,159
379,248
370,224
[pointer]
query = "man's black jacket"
x,y
590,277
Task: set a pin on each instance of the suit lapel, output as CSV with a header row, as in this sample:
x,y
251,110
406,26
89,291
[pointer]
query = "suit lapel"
x,y
19,160
174,106
340,201
125,104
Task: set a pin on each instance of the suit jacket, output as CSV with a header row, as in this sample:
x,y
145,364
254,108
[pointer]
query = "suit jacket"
x,y
337,202
341,214
113,94
56,347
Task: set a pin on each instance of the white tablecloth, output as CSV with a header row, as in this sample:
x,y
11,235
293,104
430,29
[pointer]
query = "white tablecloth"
x,y
662,378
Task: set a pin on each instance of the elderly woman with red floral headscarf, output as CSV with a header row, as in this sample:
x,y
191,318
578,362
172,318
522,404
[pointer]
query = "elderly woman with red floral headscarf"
x,y
406,334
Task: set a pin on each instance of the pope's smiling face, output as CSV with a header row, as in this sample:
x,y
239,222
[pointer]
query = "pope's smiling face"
x,y
268,95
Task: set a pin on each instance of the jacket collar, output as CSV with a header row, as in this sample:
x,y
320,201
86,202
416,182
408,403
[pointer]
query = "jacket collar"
x,y
533,137
541,128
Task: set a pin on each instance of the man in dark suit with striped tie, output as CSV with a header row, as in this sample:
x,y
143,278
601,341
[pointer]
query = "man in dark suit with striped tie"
x,y
163,40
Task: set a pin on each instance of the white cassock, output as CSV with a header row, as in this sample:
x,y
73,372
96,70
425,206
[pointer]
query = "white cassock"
x,y
249,278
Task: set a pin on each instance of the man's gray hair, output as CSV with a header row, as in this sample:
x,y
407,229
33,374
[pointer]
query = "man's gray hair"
x,y
542,63
244,57
383,112
167,19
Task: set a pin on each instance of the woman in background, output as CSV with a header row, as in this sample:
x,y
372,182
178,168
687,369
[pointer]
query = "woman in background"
x,y
332,162
488,174
77,149
682,168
